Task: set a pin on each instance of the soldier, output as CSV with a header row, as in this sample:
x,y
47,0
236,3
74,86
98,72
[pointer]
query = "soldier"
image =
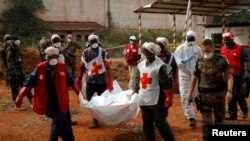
x,y
43,44
151,77
70,54
210,71
238,60
96,65
14,62
7,42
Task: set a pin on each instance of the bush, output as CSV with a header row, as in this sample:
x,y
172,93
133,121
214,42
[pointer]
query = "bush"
x,y
119,37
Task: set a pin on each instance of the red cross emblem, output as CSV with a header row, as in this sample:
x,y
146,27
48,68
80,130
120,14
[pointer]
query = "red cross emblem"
x,y
96,68
145,80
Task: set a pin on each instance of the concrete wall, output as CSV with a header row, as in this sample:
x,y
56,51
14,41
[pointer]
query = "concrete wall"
x,y
75,10
121,12
96,10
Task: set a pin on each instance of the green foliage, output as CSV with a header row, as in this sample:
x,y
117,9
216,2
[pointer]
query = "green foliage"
x,y
20,19
29,5
239,18
242,17
120,37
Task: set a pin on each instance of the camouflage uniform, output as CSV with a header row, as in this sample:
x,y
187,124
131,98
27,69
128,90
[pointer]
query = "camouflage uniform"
x,y
212,89
70,56
14,63
4,64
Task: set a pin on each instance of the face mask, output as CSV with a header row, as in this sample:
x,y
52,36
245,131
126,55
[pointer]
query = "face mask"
x,y
95,45
53,62
131,42
191,43
17,42
69,40
208,55
230,44
57,44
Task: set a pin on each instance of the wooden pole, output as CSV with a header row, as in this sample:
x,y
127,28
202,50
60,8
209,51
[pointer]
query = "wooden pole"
x,y
174,30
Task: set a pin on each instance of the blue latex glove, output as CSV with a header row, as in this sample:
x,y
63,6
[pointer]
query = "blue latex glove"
x,y
187,59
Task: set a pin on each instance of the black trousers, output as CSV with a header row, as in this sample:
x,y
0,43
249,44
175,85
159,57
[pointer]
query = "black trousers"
x,y
61,127
232,109
92,88
154,115
16,83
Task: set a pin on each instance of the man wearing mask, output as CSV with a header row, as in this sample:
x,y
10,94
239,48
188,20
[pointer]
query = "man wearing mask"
x,y
70,54
166,56
132,53
7,42
238,60
151,77
14,63
186,56
50,81
96,66
57,43
211,71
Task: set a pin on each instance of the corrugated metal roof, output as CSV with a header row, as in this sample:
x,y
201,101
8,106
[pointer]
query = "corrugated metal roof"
x,y
199,7
74,26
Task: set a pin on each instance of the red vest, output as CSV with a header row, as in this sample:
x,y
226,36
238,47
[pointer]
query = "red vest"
x,y
132,54
40,90
233,56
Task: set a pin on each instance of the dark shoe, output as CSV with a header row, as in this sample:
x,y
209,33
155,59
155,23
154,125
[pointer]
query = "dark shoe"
x,y
73,123
94,124
245,115
192,122
231,118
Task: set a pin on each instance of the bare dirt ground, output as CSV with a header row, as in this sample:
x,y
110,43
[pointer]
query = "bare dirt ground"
x,y
25,125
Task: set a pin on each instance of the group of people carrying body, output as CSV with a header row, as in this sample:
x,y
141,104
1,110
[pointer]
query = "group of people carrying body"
x,y
152,67
216,79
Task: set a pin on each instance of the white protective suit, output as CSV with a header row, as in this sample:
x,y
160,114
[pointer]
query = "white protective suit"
x,y
185,73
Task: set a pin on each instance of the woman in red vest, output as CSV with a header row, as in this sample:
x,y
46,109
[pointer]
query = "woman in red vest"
x,y
50,81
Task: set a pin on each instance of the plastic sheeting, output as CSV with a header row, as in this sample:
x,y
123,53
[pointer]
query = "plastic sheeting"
x,y
112,108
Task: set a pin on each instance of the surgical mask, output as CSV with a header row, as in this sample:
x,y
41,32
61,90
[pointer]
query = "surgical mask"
x,y
17,42
230,44
57,44
131,42
191,43
208,55
95,45
53,62
69,40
